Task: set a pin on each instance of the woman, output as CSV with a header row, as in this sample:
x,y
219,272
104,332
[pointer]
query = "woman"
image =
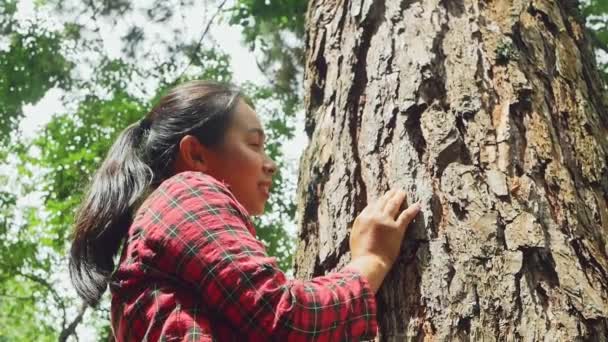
x,y
176,192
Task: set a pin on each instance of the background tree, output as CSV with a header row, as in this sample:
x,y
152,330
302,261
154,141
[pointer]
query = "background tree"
x,y
491,113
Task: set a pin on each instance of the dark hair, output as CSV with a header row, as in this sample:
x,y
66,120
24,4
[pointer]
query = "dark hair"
x,y
141,158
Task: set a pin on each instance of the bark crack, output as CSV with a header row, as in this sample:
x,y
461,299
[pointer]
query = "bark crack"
x,y
317,86
356,95
589,263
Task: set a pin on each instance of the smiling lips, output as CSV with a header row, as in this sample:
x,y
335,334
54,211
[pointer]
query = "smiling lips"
x,y
265,186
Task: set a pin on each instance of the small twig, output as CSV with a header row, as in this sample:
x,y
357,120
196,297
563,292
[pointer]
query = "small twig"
x,y
200,40
268,76
71,328
18,297
45,284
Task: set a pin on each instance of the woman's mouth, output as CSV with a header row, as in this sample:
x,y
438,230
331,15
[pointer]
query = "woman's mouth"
x,y
265,187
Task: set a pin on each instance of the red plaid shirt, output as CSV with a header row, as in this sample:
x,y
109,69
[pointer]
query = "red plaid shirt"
x,y
192,270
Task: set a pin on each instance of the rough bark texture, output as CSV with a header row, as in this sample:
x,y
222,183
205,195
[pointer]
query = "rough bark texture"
x,y
491,113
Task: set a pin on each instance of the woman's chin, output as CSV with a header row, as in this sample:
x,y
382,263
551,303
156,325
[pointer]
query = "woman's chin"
x,y
259,212
255,211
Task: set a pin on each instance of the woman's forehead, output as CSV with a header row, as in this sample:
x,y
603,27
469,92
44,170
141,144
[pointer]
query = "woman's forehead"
x,y
246,119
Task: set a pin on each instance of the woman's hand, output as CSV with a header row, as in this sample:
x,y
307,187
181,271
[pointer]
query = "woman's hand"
x,y
377,234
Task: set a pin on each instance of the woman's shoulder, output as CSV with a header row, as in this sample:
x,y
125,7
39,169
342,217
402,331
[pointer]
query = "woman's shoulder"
x,y
189,190
195,180
187,197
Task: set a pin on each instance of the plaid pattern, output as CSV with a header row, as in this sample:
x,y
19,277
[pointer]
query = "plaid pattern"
x,y
192,270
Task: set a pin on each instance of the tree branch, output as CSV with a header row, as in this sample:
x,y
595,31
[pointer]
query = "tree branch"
x,y
46,284
41,281
71,328
28,298
200,40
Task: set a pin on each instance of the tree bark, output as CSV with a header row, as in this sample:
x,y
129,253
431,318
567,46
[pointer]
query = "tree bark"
x,y
490,112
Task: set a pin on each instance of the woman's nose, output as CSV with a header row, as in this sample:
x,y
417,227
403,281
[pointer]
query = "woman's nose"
x,y
270,166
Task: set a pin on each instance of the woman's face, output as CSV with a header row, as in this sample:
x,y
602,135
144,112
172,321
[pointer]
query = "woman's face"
x,y
241,161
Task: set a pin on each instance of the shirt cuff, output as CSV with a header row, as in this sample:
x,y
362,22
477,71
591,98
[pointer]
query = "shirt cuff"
x,y
369,303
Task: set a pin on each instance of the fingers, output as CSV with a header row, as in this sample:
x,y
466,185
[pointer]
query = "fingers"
x,y
381,202
394,203
408,215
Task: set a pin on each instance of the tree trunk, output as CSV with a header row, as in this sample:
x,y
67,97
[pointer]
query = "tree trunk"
x,y
491,113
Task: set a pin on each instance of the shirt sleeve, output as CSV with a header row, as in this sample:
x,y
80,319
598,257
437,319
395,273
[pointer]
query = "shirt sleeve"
x,y
206,240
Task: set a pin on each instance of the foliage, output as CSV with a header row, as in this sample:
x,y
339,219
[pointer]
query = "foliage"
x,y
17,298
31,65
596,14
276,29
261,17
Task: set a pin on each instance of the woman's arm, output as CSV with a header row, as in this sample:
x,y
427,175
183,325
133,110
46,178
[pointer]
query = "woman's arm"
x,y
204,238
205,241
372,268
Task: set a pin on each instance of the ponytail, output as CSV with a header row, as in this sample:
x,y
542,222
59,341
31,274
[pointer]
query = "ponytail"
x,y
105,214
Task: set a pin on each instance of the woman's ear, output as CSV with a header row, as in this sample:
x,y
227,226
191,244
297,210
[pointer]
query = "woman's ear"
x,y
191,155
